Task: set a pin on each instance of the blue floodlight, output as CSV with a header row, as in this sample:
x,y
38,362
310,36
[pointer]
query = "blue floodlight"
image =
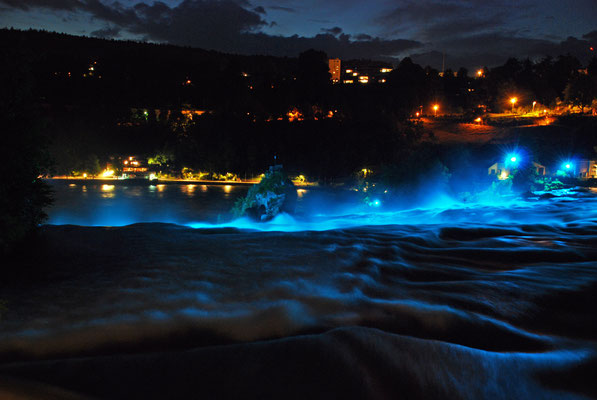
x,y
375,203
567,165
512,159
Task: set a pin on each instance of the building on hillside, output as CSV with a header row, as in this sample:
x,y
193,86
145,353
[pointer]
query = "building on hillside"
x,y
133,168
365,71
501,171
335,65
539,169
498,169
587,169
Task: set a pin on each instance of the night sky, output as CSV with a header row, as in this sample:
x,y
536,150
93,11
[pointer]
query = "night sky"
x,y
471,33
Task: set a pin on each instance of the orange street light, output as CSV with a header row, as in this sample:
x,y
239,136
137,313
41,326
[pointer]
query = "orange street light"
x,y
534,104
513,100
435,108
480,73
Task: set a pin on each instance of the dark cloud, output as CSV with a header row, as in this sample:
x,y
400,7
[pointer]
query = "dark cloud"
x,y
422,11
437,20
106,33
363,36
280,8
474,33
224,25
259,10
591,36
335,46
336,30
493,49
69,5
445,29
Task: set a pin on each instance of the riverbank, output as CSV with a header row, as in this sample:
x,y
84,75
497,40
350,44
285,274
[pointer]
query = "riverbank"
x,y
169,181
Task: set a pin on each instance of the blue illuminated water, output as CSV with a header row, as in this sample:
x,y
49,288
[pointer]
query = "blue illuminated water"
x,y
494,299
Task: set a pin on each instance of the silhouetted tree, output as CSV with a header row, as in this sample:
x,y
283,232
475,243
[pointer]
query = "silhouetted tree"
x,y
23,195
408,84
313,75
580,91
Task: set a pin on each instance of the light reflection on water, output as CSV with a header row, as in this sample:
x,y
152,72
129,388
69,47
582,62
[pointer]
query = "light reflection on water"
x,y
123,203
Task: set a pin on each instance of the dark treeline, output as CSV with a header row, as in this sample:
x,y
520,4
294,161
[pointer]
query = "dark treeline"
x,y
101,98
79,71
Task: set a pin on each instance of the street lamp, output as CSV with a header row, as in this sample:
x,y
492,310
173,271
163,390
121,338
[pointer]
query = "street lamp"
x,y
534,104
435,108
513,100
480,73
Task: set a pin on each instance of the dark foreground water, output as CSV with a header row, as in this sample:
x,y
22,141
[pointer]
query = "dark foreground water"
x,y
492,300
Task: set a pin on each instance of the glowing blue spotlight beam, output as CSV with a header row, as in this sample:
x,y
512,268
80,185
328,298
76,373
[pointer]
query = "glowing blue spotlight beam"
x,y
375,203
512,159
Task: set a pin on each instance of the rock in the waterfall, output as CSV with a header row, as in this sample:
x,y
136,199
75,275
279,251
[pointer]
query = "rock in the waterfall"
x,y
275,194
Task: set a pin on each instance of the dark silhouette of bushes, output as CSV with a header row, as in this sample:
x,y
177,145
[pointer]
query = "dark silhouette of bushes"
x,y
23,160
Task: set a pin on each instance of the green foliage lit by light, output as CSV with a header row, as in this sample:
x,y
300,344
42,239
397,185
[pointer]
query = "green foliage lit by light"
x,y
548,184
273,181
160,159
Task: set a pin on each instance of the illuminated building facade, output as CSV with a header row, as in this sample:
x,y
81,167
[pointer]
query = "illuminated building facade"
x,y
133,168
503,171
587,169
365,71
335,65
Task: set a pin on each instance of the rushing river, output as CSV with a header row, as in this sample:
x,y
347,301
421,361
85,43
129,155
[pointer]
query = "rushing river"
x,y
445,300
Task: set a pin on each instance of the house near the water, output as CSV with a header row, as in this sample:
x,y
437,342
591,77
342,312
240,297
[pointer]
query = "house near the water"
x,y
502,171
499,169
587,169
135,168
